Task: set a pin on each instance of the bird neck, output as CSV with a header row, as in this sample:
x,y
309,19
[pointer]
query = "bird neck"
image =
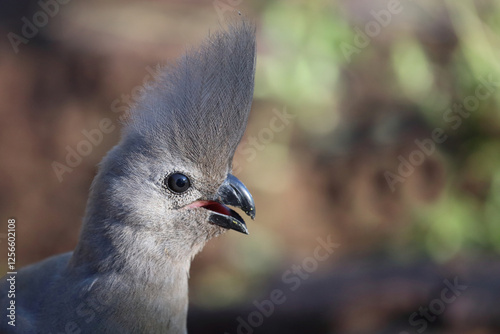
x,y
152,283
148,277
150,288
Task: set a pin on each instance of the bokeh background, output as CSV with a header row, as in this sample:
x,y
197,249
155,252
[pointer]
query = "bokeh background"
x,y
345,92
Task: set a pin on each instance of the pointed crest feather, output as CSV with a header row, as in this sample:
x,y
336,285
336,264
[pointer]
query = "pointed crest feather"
x,y
199,107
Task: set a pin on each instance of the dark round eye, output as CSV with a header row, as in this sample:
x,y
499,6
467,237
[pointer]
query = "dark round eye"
x,y
177,182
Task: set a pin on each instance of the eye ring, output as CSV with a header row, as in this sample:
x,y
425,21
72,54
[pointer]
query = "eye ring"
x,y
177,182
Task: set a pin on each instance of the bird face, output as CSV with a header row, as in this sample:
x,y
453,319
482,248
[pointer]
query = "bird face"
x,y
190,195
170,202
199,205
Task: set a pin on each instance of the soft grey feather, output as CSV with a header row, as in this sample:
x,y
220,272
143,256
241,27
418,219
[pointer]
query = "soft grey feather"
x,y
129,271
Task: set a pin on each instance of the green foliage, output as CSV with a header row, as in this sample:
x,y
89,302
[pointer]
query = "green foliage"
x,y
302,64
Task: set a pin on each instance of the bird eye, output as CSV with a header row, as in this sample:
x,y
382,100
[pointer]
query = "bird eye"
x,y
177,182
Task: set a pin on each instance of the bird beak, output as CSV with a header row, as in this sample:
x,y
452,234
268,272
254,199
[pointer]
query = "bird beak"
x,y
234,193
231,192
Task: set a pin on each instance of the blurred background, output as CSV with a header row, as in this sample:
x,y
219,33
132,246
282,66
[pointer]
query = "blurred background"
x,y
372,151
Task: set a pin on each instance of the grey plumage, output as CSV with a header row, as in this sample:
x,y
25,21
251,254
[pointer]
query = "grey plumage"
x,y
207,95
129,271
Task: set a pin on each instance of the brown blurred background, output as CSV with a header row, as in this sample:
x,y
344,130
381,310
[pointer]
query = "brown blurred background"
x,y
375,123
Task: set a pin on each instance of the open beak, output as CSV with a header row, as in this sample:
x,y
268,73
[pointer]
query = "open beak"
x,y
234,193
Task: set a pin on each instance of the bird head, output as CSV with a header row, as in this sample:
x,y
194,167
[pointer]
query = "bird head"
x,y
170,176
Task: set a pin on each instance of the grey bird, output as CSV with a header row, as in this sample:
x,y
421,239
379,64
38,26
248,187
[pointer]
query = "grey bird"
x,y
158,197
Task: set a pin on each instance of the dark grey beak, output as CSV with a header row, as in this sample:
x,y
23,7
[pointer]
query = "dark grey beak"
x,y
234,193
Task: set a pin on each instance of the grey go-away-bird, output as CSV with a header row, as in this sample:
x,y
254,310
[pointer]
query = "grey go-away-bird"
x,y
158,197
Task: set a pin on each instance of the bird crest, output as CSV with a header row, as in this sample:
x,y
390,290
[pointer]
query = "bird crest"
x,y
199,105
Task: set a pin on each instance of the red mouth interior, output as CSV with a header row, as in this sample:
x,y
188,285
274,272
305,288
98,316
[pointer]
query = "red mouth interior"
x,y
212,206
